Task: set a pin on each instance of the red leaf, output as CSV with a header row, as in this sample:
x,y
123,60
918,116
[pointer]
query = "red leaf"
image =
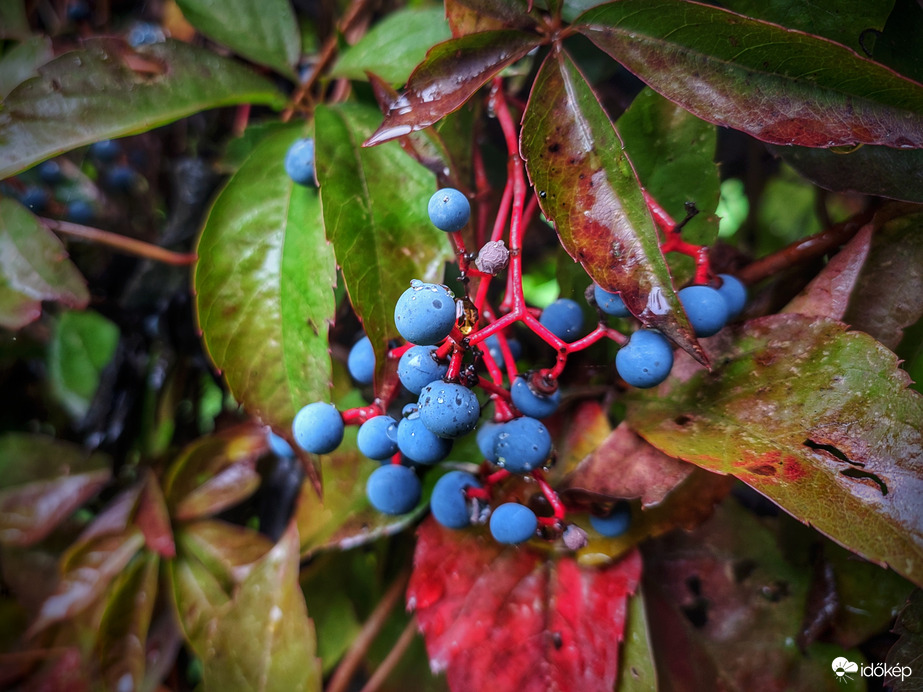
x,y
496,617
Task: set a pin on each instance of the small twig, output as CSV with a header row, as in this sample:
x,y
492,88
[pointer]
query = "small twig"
x,y
360,646
393,658
121,243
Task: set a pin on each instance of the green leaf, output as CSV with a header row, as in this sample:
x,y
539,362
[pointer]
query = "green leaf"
x,y
673,153
93,93
778,85
472,16
908,649
264,31
395,45
587,186
636,664
226,550
818,419
374,202
82,345
264,286
33,267
198,597
214,472
843,21
42,482
121,648
263,640
14,24
22,62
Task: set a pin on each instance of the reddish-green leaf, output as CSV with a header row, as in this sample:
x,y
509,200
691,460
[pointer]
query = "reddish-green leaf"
x,y
215,472
265,31
264,285
42,482
513,619
87,573
198,597
451,74
263,639
374,202
779,85
588,188
818,419
93,93
33,267
153,518
121,647
472,16
908,649
887,296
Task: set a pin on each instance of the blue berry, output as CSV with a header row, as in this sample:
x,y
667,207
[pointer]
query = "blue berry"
x,y
79,211
425,313
78,11
487,439
36,198
646,360
121,178
706,309
564,319
393,489
513,523
361,361
50,172
734,293
449,210
610,303
532,403
615,524
418,367
278,445
377,438
145,34
448,503
522,444
418,443
299,162
492,344
318,428
449,409
106,151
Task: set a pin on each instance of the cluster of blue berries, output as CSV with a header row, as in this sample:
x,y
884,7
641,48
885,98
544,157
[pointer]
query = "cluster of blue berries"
x,y
447,407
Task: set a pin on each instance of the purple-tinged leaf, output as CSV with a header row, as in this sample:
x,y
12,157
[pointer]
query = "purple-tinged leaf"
x,y
818,419
886,300
587,186
215,472
121,649
33,267
450,74
829,292
908,649
778,85
42,482
473,16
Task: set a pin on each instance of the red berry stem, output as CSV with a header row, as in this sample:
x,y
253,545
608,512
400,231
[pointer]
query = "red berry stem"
x,y
556,505
358,416
673,240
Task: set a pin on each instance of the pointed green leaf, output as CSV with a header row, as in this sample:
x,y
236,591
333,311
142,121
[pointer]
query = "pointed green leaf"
x,y
817,418
198,598
22,62
264,31
374,202
636,668
587,186
121,647
395,45
33,267
264,286
93,93
42,482
776,84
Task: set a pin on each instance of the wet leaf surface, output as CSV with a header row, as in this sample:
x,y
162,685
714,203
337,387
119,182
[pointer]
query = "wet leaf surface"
x,y
380,230
34,267
42,482
91,94
816,418
586,185
778,85
450,74
908,650
887,296
510,618
264,286
725,604
264,31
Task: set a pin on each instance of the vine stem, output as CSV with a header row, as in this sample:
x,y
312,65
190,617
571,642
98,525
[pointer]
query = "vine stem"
x,y
393,658
339,681
121,243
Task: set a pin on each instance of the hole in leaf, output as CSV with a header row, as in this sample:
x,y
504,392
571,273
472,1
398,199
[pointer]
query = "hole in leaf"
x,y
682,420
867,478
832,451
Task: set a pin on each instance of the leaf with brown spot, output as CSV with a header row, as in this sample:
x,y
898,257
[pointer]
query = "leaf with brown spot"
x,y
587,186
472,16
817,418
